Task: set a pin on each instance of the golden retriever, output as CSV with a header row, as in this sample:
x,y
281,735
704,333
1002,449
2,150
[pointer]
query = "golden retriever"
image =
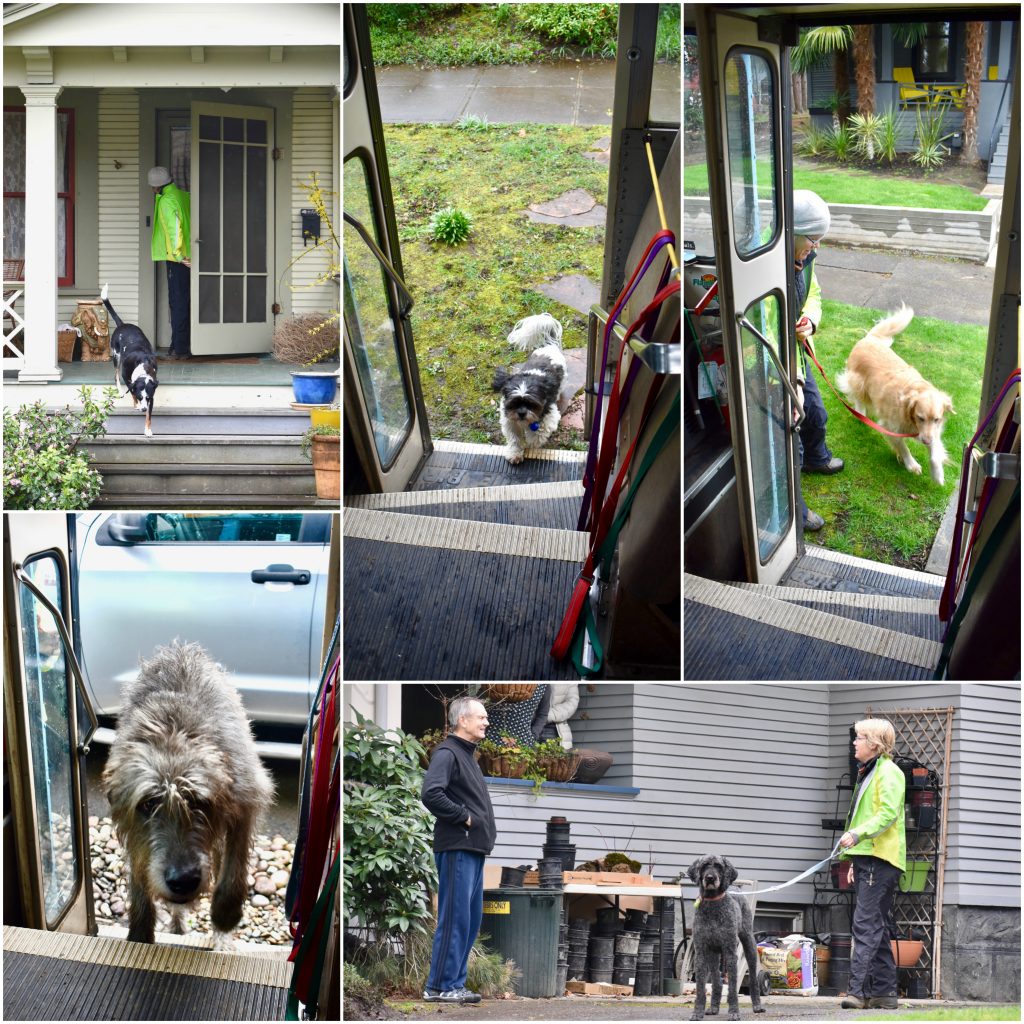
x,y
881,384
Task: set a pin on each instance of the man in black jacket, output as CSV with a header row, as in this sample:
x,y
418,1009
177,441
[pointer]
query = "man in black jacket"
x,y
454,791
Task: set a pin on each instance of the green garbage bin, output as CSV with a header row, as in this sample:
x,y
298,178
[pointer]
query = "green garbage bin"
x,y
522,925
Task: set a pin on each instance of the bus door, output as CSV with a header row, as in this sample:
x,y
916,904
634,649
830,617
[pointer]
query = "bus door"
x,y
743,100
48,723
386,433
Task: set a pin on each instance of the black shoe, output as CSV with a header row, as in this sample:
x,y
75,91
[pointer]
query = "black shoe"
x,y
813,523
883,1003
834,465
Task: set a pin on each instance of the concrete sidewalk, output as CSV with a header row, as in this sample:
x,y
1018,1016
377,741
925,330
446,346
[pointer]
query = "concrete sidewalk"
x,y
574,92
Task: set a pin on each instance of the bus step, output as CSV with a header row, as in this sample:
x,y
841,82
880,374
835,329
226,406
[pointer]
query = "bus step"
x,y
745,633
432,598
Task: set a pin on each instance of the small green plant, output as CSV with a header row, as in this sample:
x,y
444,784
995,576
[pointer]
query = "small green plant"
x,y
473,123
888,135
450,226
930,151
306,445
43,467
867,131
592,26
813,141
839,143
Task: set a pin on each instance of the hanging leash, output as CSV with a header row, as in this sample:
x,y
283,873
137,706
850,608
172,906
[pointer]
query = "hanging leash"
x,y
784,885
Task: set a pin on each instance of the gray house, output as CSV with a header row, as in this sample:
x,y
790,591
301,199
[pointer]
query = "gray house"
x,y
760,767
909,78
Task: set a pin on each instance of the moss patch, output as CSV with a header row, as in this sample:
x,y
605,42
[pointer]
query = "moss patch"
x,y
469,297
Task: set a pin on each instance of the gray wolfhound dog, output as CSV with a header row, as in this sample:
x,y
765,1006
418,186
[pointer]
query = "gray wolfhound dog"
x,y
186,790
721,921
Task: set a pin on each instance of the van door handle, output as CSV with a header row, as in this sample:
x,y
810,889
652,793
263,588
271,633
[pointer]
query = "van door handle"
x,y
281,574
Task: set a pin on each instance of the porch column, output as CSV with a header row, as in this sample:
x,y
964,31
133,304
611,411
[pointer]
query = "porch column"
x,y
40,233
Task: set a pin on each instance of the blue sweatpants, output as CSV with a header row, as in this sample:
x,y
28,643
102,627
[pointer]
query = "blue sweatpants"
x,y
460,909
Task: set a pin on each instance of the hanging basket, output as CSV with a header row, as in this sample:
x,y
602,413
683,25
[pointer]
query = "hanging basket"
x,y
561,769
513,692
507,767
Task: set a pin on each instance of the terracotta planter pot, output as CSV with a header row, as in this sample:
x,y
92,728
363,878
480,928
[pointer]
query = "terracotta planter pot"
x,y
327,466
907,952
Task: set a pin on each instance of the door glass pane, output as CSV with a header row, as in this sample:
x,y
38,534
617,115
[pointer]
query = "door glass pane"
x,y
370,326
233,129
256,208
750,123
209,299
233,300
234,218
256,299
209,207
766,427
46,691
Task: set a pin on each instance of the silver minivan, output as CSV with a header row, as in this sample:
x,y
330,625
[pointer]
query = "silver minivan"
x,y
250,587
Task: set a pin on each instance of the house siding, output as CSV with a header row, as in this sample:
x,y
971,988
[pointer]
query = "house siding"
x,y
312,145
640,725
119,252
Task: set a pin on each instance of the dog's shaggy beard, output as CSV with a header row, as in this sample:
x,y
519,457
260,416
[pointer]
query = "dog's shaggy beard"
x,y
529,401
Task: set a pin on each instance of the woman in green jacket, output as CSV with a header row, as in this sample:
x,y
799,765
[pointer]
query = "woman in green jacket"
x,y
876,842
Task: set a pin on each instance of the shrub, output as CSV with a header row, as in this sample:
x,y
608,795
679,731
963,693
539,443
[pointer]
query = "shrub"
x,y
43,468
593,26
930,151
450,226
389,860
395,16
839,143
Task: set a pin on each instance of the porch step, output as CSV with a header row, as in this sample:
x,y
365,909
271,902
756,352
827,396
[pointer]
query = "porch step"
x,y
228,481
192,421
823,569
751,632
198,450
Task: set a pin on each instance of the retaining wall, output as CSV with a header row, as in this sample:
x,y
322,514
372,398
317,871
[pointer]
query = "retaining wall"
x,y
965,235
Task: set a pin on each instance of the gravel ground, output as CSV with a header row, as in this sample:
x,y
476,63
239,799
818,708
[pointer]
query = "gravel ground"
x,y
263,916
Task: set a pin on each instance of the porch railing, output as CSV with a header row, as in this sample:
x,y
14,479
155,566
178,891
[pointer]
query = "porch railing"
x,y
13,320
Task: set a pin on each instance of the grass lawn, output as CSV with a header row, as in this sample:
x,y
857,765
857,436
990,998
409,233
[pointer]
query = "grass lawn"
x,y
861,187
875,508
951,1013
470,296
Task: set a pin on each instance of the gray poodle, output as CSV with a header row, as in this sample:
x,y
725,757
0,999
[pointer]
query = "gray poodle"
x,y
722,919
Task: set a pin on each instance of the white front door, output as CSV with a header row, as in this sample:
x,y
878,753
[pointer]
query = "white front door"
x,y
232,255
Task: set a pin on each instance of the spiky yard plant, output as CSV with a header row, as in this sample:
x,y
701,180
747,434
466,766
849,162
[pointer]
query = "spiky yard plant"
x,y
450,226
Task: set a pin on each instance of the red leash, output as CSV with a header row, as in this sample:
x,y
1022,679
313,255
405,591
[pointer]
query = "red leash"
x,y
864,419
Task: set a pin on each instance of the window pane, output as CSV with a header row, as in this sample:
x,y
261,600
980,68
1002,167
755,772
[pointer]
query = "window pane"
x,y
209,299
256,210
766,426
209,126
256,299
46,689
750,116
195,527
370,327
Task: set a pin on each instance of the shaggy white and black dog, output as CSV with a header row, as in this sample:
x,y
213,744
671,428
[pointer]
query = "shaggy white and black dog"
x,y
186,790
529,394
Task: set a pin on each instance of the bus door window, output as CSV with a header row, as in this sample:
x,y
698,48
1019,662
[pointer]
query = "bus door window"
x,y
370,326
47,690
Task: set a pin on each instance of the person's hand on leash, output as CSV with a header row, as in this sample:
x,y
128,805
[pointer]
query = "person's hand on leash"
x,y
848,839
804,330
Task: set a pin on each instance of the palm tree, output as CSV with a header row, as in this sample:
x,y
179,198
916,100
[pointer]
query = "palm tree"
x,y
820,42
973,58
864,67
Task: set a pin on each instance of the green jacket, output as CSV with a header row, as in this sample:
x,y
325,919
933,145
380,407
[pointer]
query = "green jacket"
x,y
171,231
877,816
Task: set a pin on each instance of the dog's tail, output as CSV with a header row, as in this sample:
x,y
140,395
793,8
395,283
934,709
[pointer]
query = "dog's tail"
x,y
110,308
536,331
884,331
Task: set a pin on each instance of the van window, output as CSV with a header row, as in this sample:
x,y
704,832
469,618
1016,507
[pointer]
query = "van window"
x,y
47,697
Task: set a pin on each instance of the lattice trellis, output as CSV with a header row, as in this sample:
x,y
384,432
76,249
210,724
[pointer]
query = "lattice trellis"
x,y
925,734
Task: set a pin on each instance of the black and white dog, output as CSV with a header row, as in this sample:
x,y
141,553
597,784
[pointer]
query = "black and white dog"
x,y
529,394
134,363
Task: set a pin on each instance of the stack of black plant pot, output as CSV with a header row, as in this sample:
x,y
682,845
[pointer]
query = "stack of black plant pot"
x,y
579,939
558,845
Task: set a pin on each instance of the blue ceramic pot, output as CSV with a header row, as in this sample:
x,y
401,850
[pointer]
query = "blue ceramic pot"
x,y
314,387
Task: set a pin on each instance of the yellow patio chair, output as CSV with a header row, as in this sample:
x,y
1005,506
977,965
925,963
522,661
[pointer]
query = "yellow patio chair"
x,y
910,91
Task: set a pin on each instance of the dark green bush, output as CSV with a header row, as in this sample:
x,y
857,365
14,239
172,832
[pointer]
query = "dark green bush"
x,y
395,16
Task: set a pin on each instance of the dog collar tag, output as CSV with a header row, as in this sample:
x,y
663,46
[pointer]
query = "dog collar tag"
x,y
535,426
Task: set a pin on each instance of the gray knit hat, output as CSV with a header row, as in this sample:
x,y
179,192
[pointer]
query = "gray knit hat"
x,y
810,214
158,176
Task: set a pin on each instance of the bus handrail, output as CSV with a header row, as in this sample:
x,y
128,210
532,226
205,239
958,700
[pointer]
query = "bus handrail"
x,y
797,404
384,262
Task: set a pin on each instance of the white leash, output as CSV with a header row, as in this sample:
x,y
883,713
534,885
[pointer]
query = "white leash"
x,y
792,881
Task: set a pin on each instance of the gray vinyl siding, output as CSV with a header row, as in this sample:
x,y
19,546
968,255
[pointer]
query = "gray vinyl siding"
x,y
640,725
754,758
